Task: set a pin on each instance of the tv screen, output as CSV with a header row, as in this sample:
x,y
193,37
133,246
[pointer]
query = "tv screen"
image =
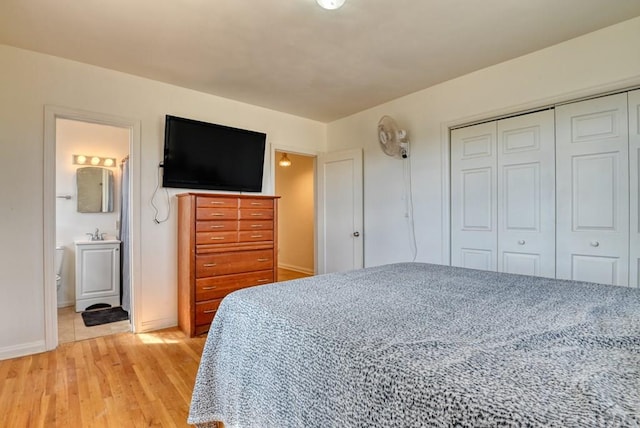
x,y
200,155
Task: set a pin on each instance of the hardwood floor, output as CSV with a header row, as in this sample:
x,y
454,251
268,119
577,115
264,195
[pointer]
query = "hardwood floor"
x,y
122,380
287,275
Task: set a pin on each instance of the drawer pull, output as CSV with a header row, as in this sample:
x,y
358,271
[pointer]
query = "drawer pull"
x,y
256,225
216,202
263,280
217,226
256,236
209,288
210,264
256,214
217,238
217,215
263,260
256,203
209,311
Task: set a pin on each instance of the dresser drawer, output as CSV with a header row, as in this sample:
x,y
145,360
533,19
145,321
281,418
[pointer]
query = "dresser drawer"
x,y
219,286
256,203
255,225
203,238
206,310
216,213
255,214
216,226
213,202
233,262
260,235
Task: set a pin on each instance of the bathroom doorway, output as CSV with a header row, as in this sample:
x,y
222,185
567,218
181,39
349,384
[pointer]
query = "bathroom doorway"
x,y
88,205
83,211
295,184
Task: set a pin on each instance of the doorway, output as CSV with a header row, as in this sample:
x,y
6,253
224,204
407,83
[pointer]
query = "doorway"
x,y
61,205
295,184
90,159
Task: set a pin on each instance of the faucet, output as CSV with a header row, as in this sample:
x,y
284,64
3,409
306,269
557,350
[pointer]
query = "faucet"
x,y
96,236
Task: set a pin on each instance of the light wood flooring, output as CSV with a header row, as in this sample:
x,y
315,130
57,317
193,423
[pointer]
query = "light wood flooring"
x,y
121,380
287,275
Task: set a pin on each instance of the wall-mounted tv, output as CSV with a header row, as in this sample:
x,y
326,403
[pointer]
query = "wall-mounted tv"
x,y
201,155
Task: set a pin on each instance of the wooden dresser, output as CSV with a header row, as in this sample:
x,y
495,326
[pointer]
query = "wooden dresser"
x,y
225,243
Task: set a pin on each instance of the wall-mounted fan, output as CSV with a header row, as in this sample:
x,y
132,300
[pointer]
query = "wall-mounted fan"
x,y
393,140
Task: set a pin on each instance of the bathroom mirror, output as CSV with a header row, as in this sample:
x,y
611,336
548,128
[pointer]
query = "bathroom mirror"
x,y
95,190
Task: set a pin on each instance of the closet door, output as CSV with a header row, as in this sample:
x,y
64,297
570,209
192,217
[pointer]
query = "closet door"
x,y
634,166
592,173
473,197
526,194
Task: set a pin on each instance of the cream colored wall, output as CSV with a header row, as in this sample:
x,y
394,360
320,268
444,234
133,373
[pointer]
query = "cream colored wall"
x,y
296,213
82,138
29,82
599,61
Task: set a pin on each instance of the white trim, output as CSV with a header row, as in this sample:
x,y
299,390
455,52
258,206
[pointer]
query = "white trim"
x,y
22,349
51,113
158,324
296,268
445,127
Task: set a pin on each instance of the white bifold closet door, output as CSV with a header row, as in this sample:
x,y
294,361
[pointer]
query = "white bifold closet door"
x,y
526,195
634,167
502,195
593,190
473,197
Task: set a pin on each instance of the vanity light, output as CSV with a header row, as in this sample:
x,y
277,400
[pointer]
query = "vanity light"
x,y
93,160
284,160
330,4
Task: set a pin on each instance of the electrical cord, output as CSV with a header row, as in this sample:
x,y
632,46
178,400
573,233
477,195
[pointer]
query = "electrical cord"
x,y
408,200
156,220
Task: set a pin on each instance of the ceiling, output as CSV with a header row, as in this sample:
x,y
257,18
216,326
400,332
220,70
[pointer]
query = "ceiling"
x,y
293,56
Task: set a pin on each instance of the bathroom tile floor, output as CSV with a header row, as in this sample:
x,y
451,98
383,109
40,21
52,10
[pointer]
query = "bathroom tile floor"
x,y
71,328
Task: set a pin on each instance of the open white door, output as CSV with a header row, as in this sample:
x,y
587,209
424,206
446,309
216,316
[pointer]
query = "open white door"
x,y
340,217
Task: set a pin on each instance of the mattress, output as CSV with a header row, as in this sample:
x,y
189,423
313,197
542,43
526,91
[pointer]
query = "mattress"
x,y
413,344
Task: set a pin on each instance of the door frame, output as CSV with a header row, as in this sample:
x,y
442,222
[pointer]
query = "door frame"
x,y
51,114
272,187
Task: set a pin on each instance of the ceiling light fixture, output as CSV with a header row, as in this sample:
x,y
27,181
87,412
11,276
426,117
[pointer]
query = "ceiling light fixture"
x,y
330,4
284,160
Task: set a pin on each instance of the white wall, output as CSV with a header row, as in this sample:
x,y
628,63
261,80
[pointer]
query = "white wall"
x,y
82,138
296,213
29,82
603,60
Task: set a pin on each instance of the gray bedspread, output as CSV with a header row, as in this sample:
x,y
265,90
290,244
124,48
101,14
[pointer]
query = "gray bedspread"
x,y
412,345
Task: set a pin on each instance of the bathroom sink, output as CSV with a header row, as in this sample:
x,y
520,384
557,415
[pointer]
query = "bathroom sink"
x,y
104,241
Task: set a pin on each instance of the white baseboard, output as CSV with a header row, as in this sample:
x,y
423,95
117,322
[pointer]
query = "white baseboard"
x,y
159,324
296,268
22,349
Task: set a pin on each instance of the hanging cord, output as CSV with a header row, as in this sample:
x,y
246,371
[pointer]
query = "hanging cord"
x,y
156,220
408,201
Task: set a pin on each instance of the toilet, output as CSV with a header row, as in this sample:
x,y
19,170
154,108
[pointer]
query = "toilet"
x,y
59,257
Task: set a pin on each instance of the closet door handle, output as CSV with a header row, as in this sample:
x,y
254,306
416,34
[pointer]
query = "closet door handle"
x,y
521,242
594,243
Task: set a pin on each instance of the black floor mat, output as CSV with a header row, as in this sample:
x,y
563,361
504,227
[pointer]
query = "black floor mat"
x,y
104,316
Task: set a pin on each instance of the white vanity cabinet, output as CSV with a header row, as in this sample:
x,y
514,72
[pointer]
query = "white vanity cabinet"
x,y
97,273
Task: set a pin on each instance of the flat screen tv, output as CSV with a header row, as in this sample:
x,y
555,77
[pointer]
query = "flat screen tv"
x,y
201,155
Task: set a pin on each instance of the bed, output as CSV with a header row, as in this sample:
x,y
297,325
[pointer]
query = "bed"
x,y
413,344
